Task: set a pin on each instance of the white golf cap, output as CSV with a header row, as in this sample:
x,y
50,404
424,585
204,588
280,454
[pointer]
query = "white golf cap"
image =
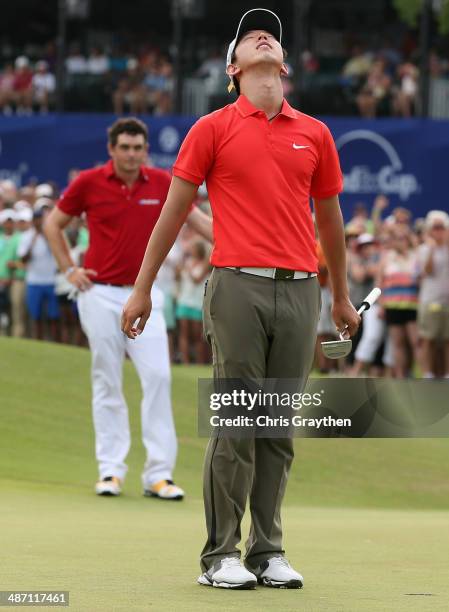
x,y
41,203
365,239
44,190
21,205
255,19
22,62
7,215
26,214
439,217
132,63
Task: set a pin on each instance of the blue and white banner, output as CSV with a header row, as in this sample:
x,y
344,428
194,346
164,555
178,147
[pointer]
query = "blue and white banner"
x,y
405,159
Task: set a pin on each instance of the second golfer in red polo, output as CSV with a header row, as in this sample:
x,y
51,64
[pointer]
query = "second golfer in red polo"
x,y
262,162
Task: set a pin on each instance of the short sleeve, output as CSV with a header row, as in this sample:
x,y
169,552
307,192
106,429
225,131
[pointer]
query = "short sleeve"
x,y
73,200
196,154
327,179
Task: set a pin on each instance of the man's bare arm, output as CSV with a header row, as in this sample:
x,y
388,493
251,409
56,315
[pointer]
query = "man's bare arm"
x,y
330,225
201,223
173,216
54,230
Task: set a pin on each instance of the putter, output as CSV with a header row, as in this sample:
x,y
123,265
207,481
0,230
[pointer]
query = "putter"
x,y
335,349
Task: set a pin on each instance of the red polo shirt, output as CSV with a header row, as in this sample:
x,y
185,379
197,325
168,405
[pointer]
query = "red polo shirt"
x,y
260,176
120,220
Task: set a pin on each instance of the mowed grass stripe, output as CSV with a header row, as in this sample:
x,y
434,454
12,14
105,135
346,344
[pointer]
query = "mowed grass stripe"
x,y
46,436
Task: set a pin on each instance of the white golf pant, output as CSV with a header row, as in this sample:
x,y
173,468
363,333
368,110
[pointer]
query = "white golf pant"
x,y
100,311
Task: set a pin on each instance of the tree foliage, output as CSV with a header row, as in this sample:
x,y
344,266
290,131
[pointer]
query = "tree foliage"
x,y
410,10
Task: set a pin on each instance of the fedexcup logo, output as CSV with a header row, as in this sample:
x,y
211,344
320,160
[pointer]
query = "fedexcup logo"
x,y
389,178
168,139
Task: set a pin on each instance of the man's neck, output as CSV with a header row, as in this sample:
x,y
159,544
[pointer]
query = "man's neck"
x,y
128,178
263,91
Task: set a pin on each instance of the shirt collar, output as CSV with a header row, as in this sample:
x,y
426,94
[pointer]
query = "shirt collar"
x,y
246,109
109,171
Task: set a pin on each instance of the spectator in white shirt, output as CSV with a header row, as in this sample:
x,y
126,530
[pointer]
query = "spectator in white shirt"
x,y
433,312
40,279
97,62
44,85
75,63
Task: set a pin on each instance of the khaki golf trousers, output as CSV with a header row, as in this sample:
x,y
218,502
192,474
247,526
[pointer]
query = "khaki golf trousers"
x,y
258,328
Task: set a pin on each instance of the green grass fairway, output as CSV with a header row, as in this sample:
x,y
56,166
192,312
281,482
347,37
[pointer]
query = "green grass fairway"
x,y
365,521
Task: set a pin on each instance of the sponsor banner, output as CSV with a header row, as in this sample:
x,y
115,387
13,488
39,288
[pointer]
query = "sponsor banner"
x,y
404,159
323,408
47,147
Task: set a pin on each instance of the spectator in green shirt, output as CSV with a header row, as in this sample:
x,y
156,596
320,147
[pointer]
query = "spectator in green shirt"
x,y
7,228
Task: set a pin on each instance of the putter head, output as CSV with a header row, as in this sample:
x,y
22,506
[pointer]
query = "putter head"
x,y
335,349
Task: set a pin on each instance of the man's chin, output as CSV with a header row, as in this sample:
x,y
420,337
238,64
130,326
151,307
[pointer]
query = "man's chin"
x,y
266,58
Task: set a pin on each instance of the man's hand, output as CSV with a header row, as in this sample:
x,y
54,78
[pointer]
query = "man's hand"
x,y
80,278
345,317
381,202
137,307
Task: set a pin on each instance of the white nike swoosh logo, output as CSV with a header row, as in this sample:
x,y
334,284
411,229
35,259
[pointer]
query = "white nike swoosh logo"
x,y
295,146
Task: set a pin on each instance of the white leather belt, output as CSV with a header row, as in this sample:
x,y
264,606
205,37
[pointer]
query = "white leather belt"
x,y
275,273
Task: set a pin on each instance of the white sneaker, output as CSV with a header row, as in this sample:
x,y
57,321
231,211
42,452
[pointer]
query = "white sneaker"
x,y
229,573
165,489
277,572
110,485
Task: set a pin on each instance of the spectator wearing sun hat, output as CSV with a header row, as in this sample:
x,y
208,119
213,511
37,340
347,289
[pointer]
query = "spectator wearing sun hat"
x,y
433,310
43,204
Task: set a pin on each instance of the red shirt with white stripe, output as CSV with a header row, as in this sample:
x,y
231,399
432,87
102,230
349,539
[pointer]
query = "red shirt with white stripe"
x,y
260,175
120,220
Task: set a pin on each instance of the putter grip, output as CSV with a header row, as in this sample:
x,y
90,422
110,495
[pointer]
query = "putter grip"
x,y
370,299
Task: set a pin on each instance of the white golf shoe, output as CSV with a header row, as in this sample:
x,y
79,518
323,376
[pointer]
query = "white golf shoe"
x,y
111,485
229,573
278,573
164,489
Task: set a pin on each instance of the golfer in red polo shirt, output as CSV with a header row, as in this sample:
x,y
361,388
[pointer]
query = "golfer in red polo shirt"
x,y
122,201
262,162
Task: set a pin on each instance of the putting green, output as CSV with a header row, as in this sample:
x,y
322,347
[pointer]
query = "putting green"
x,y
366,521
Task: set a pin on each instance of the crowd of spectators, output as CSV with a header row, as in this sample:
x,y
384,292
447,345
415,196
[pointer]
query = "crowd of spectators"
x,y
386,82
36,300
139,84
408,329
368,80
405,334
25,88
